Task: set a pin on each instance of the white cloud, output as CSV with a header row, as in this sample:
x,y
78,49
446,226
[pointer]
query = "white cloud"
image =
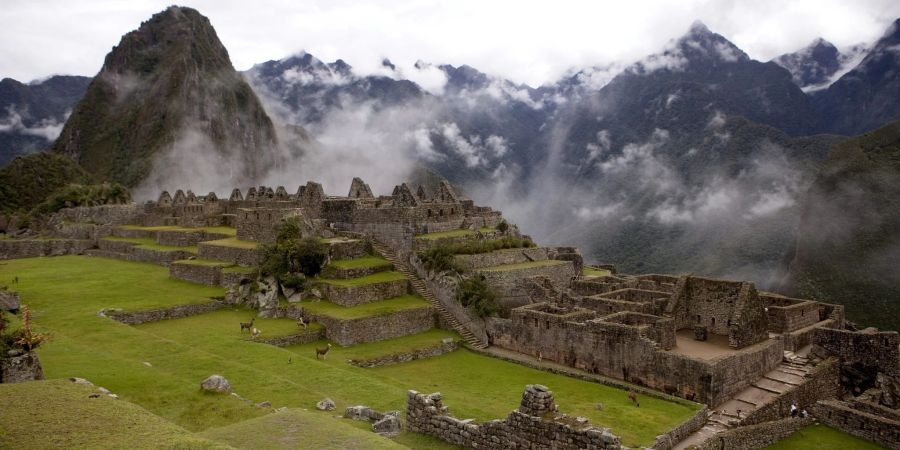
x,y
499,38
47,128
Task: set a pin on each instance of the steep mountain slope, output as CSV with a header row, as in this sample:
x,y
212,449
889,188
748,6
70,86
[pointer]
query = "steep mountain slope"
x,y
866,97
28,180
32,115
848,244
816,65
168,88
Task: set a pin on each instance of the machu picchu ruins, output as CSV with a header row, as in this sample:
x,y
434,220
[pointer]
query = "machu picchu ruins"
x,y
750,357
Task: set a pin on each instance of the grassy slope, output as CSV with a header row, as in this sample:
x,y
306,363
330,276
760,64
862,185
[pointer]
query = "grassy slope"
x,y
379,277
821,437
226,322
427,339
150,244
525,265
591,272
378,308
298,429
362,262
59,414
446,234
66,293
221,230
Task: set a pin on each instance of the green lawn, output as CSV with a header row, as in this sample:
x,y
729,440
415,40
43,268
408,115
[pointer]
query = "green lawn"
x,y
60,414
592,272
296,428
221,230
379,308
150,243
380,277
233,242
159,366
525,265
226,324
372,350
363,262
822,437
446,234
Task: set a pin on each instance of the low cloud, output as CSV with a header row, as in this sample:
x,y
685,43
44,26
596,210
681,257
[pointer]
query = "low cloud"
x,y
47,128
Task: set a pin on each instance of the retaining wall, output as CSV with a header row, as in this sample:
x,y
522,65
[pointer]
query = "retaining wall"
x,y
755,436
357,295
863,424
396,358
177,312
377,328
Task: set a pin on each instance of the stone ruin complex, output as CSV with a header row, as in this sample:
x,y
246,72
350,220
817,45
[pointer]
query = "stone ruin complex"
x,y
746,354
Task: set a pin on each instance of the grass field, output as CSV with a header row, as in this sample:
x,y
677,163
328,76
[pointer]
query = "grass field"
x,y
150,243
233,242
381,307
221,230
372,350
822,437
592,272
225,323
525,265
159,366
446,234
363,262
380,277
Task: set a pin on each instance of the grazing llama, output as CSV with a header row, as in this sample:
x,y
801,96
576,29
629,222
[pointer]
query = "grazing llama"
x,y
247,325
323,351
255,333
301,323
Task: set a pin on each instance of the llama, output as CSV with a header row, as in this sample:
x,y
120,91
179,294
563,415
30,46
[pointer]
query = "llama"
x,y
247,325
255,333
301,323
323,351
633,397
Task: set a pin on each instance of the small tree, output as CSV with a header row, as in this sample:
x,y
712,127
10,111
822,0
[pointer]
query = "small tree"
x,y
437,259
503,227
27,338
475,294
311,254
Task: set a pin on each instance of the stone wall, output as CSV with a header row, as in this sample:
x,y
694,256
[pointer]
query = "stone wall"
x,y
351,248
153,315
20,368
877,350
196,273
629,352
511,290
755,436
357,295
229,278
789,314
179,238
302,337
247,257
726,308
671,438
397,358
500,257
881,428
823,382
535,425
30,248
377,328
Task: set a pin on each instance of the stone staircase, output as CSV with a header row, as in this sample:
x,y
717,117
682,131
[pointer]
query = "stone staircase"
x,y
422,290
787,376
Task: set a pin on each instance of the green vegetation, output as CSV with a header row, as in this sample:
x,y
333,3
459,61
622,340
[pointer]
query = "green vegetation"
x,y
524,265
233,242
150,244
66,292
437,259
379,308
363,262
224,322
372,350
821,437
220,230
28,180
475,294
446,234
489,245
593,272
378,277
502,227
59,414
292,257
296,428
84,195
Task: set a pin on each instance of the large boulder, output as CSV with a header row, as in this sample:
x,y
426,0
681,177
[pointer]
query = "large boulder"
x,y
389,425
9,301
216,383
326,404
21,367
267,297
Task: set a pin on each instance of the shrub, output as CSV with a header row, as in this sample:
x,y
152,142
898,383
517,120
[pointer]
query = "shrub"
x,y
292,254
83,195
437,259
26,338
503,227
475,294
293,281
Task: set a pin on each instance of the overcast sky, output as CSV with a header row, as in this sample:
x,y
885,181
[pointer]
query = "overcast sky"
x,y
526,41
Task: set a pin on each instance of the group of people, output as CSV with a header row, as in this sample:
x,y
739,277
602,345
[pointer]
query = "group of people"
x,y
797,412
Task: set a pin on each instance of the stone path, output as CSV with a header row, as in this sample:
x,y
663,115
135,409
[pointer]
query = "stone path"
x,y
422,290
787,376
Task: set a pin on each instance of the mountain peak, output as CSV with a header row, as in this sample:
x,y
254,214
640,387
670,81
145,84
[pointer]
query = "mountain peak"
x,y
700,45
699,28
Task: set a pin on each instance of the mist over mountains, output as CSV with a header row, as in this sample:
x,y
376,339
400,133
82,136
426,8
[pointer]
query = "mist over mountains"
x,y
694,159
